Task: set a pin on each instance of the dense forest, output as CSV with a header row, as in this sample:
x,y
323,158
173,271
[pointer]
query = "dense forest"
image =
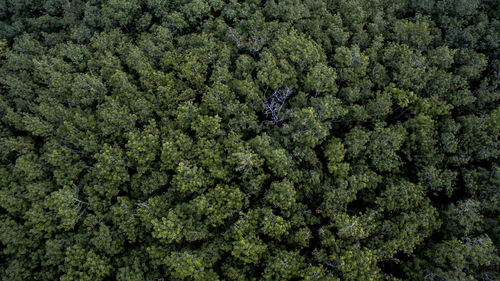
x,y
249,140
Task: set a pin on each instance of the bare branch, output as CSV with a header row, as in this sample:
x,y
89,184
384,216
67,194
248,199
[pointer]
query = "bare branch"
x,y
274,104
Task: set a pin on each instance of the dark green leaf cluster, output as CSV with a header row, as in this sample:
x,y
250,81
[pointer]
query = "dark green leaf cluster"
x,y
249,140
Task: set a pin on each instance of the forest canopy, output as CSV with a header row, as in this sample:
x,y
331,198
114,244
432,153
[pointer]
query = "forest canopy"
x,y
249,140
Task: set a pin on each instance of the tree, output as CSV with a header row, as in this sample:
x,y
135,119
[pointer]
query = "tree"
x,y
249,140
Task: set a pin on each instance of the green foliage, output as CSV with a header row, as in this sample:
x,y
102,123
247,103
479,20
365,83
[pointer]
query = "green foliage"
x,y
249,140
